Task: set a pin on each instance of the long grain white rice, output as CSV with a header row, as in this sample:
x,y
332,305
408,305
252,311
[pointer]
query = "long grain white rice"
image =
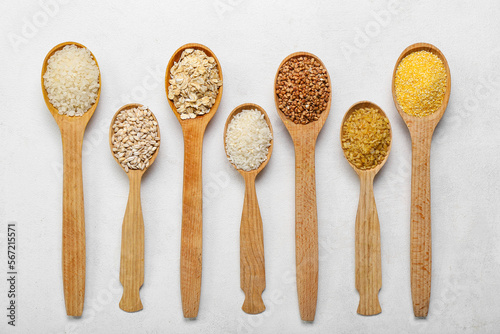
x,y
248,138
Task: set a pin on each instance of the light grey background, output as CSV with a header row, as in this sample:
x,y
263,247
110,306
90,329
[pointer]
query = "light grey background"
x,y
359,42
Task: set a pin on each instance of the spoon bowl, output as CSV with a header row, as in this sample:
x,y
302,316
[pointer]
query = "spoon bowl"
x,y
132,248
72,130
236,111
252,263
155,154
192,199
354,107
436,116
421,131
63,119
314,127
204,119
306,217
368,256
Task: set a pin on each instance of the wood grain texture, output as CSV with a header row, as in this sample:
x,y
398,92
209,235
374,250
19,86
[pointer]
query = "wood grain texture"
x,y
192,197
368,258
420,228
73,236
306,217
132,248
421,130
192,220
368,262
306,227
73,247
252,263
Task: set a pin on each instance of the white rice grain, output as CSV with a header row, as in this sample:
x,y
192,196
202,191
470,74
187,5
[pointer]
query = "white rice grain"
x,y
72,80
248,138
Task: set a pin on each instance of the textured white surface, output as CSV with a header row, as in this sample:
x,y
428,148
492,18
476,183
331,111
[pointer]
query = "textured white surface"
x,y
133,41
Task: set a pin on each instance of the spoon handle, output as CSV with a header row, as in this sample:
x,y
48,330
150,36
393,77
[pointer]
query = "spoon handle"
x,y
132,252
368,259
420,229
306,227
252,265
73,247
192,224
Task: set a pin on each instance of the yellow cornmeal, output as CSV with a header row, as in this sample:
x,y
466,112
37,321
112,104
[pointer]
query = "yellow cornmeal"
x,y
420,83
366,137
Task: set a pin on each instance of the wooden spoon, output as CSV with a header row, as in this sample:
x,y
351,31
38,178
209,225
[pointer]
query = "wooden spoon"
x,y
192,198
73,248
421,130
132,252
252,264
306,216
368,259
